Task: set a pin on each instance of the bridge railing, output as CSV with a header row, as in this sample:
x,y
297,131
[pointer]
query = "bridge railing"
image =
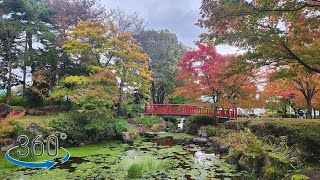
x,y
182,109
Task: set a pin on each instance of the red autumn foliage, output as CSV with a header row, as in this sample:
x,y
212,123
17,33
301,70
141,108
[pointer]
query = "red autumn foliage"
x,y
209,74
7,126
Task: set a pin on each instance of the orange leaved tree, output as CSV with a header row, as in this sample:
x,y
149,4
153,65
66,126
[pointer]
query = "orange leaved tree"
x,y
208,76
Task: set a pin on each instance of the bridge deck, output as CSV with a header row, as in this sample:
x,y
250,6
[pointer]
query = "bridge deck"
x,y
186,110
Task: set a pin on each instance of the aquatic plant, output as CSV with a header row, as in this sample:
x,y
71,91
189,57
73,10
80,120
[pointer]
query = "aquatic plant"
x,y
135,170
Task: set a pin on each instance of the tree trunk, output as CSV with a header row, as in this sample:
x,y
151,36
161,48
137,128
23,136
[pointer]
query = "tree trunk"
x,y
285,110
314,114
309,109
24,79
120,100
29,36
153,93
215,115
161,95
229,114
24,69
295,111
9,85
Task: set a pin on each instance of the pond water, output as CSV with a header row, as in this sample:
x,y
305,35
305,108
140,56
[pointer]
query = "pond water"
x,y
148,158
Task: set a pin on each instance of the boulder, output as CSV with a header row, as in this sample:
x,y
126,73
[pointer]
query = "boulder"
x,y
201,140
141,128
6,148
170,125
223,148
158,127
244,164
163,122
126,137
203,131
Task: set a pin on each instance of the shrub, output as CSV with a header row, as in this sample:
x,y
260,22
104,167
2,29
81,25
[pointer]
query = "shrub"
x,y
134,134
212,130
202,119
149,120
18,101
237,124
134,109
194,122
81,127
301,132
14,101
3,98
175,121
10,128
33,99
120,126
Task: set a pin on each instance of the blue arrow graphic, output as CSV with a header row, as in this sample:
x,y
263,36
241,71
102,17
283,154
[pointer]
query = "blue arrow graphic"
x,y
45,165
66,158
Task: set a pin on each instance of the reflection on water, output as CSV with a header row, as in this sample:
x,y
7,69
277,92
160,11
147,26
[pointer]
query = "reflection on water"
x,y
167,141
203,158
161,158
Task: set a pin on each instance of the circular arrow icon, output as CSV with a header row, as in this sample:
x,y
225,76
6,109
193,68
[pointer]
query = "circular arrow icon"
x,y
45,165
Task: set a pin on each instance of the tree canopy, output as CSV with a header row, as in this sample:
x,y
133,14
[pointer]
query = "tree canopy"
x,y
207,77
165,51
271,32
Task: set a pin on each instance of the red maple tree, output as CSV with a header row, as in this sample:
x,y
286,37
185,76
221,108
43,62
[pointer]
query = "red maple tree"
x,y
208,76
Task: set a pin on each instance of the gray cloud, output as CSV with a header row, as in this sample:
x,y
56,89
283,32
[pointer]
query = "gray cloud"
x,y
179,16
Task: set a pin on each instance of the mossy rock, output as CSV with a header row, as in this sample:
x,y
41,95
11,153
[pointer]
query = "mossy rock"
x,y
269,172
299,177
278,158
249,164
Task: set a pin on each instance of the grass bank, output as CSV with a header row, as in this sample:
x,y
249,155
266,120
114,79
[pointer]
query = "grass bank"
x,y
294,132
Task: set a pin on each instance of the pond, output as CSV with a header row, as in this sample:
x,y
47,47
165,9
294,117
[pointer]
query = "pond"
x,y
148,158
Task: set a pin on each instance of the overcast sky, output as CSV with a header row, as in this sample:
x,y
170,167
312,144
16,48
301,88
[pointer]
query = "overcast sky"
x,y
178,16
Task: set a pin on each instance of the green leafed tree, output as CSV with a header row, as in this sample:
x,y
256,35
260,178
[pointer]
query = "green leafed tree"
x,y
31,16
9,31
165,51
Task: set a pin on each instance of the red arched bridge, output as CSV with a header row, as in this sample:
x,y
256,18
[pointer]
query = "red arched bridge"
x,y
187,110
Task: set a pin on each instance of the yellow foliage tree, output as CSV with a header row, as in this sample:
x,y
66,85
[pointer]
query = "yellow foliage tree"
x,y
98,44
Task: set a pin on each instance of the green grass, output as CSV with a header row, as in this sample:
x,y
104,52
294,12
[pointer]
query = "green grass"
x,y
42,121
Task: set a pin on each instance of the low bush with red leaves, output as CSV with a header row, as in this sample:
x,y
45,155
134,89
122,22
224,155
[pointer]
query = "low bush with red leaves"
x,y
10,127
